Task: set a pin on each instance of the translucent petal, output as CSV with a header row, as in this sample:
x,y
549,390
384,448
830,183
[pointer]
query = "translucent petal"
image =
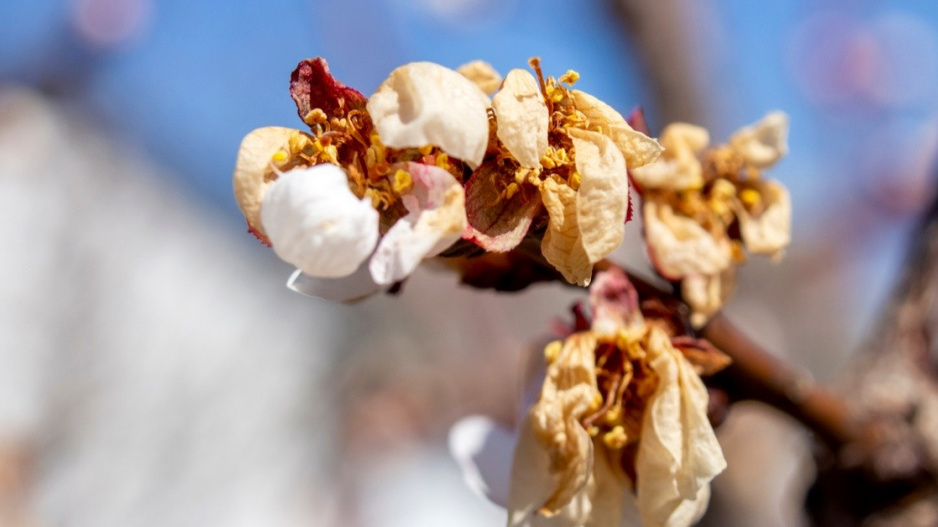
x,y
426,104
253,160
483,449
522,118
315,222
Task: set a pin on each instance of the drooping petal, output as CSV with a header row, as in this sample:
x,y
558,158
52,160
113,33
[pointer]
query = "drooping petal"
x,y
498,221
483,449
312,87
250,183
679,246
562,246
436,219
637,148
482,74
348,289
522,118
769,232
678,168
678,454
426,104
762,144
315,222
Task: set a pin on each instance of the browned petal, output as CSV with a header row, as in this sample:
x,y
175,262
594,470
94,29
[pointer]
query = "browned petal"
x,y
498,223
706,358
312,86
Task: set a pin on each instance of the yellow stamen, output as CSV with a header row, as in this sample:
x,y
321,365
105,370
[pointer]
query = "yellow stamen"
x,y
569,78
552,351
613,416
402,181
750,197
615,438
279,157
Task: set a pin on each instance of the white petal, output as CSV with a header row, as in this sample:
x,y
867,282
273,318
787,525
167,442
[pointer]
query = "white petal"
x,y
706,294
678,454
769,232
637,148
348,289
315,222
679,246
482,74
250,185
483,449
522,118
436,220
678,168
423,103
762,144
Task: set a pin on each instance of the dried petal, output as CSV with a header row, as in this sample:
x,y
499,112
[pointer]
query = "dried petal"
x,y
614,302
678,168
762,144
637,148
254,157
312,87
769,232
678,454
497,222
522,118
562,246
482,74
705,357
315,222
552,439
436,220
426,104
679,246
706,294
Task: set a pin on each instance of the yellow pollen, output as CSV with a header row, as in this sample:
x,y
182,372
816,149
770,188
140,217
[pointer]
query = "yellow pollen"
x,y
613,415
552,351
615,438
570,77
750,197
574,181
593,431
511,190
402,181
426,149
316,116
442,160
596,403
280,156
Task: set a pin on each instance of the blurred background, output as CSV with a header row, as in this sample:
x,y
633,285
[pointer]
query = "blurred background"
x,y
154,370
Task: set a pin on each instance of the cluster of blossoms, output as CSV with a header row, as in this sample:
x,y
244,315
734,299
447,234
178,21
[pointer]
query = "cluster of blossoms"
x,y
430,160
431,165
704,208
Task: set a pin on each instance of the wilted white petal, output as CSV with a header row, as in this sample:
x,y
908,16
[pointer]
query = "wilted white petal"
x,y
762,144
315,222
254,156
678,168
482,74
436,220
678,454
637,148
349,289
561,245
522,118
706,294
423,103
483,449
769,232
679,246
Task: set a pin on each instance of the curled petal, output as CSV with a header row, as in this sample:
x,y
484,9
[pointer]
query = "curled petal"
x,y
315,222
436,219
522,118
482,74
250,182
679,246
553,442
497,222
426,104
348,289
637,148
762,144
769,232
678,454
561,245
678,168
312,87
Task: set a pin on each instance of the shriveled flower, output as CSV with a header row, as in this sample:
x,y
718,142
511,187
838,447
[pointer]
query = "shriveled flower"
x,y
705,208
330,198
620,428
556,168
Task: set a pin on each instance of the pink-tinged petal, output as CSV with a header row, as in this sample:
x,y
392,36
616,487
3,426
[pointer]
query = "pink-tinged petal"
x,y
315,222
483,449
497,222
614,302
679,246
312,87
436,219
348,289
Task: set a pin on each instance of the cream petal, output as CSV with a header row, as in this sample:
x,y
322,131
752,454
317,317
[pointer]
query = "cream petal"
x,y
482,74
706,294
637,148
254,156
348,289
769,232
678,168
678,454
762,144
315,222
423,103
436,220
561,245
679,246
522,118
